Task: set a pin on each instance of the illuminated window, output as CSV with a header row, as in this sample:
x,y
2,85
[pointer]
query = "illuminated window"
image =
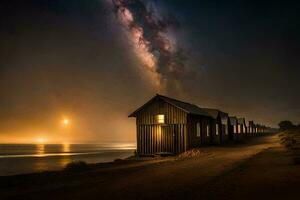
x,y
239,128
217,129
198,130
234,129
207,130
161,119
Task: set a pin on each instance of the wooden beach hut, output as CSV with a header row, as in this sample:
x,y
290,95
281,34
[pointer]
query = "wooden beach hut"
x,y
259,129
251,128
168,125
219,125
255,132
233,124
241,127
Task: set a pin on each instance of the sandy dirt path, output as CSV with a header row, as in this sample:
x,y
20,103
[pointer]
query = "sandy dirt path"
x,y
191,178
271,174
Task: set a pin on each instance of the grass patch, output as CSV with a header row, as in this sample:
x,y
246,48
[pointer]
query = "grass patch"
x,y
77,166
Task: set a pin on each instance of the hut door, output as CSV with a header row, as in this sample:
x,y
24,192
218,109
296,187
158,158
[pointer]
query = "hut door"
x,y
168,139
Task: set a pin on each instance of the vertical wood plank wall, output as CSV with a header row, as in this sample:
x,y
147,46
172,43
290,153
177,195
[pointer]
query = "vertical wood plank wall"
x,y
168,137
157,138
193,140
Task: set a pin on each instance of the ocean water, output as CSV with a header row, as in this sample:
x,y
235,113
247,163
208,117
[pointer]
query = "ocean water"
x,y
28,158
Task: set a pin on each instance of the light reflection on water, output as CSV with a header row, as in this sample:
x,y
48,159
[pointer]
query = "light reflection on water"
x,y
66,147
46,150
63,159
62,149
16,159
40,150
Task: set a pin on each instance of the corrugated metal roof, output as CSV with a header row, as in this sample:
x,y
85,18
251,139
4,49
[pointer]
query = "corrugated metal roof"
x,y
186,107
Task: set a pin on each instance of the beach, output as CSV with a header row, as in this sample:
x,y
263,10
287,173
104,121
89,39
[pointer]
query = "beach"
x,y
260,168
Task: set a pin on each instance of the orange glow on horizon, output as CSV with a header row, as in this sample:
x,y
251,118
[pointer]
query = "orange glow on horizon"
x,y
41,140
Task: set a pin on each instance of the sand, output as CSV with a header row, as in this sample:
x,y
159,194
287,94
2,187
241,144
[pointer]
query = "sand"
x,y
260,168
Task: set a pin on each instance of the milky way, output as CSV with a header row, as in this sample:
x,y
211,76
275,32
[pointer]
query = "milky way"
x,y
149,32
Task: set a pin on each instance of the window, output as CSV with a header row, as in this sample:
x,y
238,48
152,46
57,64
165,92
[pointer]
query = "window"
x,y
160,119
198,129
239,128
234,128
226,129
207,130
217,129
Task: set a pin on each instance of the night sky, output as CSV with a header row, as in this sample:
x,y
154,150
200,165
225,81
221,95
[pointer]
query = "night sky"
x,y
78,59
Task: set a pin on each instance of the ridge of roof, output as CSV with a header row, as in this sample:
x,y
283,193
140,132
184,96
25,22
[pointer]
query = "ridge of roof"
x,y
185,106
215,112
